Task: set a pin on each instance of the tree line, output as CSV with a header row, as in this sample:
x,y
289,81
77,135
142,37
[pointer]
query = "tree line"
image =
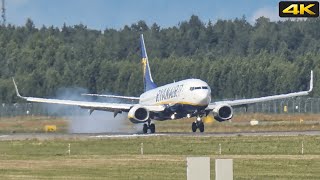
x,y
236,58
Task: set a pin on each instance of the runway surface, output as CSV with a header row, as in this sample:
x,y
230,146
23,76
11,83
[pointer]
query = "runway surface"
x,y
48,136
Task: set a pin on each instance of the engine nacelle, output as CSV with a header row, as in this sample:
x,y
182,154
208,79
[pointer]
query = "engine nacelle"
x,y
138,114
223,112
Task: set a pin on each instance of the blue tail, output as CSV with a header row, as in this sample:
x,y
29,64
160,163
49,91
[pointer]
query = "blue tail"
x,y
147,78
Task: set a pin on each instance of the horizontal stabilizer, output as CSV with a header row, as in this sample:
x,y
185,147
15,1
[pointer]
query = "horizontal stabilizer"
x,y
112,96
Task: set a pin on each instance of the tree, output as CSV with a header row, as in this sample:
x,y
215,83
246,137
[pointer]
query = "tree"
x,y
260,59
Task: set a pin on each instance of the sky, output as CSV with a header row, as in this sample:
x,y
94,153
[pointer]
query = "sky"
x,y
101,14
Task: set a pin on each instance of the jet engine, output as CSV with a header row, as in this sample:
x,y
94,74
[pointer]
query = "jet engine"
x,y
138,114
222,112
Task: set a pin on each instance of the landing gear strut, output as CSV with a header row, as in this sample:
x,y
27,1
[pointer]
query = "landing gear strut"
x,y
150,126
197,124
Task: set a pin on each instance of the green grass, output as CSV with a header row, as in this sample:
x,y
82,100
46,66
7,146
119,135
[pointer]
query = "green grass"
x,y
164,157
277,169
29,124
241,123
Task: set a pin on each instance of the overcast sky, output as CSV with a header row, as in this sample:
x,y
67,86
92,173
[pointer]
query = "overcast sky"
x,y
101,14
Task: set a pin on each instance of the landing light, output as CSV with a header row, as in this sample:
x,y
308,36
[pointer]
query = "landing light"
x,y
173,116
188,115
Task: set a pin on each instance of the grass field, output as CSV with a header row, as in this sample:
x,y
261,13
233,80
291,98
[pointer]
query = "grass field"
x,y
24,124
164,157
240,123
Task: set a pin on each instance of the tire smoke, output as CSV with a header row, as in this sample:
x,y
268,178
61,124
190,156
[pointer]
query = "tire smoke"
x,y
80,120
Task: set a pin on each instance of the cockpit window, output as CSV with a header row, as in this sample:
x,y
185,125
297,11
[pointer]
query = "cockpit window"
x,y
194,88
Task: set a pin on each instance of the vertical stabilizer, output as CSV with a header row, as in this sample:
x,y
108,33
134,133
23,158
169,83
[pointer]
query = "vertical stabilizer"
x,y
147,78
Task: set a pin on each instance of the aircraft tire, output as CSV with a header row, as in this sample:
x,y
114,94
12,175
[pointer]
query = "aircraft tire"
x,y
145,128
201,127
152,128
194,127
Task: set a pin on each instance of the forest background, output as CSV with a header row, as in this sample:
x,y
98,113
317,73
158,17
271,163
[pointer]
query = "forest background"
x,y
237,59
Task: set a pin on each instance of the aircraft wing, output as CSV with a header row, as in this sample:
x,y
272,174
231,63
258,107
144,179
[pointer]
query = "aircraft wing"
x,y
243,102
112,96
82,104
113,107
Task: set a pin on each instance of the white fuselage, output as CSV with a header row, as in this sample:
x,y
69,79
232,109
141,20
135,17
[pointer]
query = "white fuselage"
x,y
194,92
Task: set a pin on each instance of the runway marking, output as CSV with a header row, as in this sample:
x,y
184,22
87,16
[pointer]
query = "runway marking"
x,y
3,136
127,135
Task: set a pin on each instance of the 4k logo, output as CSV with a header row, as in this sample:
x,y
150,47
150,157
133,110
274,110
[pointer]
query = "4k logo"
x,y
299,9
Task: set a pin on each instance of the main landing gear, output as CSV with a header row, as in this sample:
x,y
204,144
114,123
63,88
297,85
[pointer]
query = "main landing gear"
x,y
197,124
150,126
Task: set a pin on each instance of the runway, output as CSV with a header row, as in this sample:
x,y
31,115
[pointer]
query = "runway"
x,y
48,136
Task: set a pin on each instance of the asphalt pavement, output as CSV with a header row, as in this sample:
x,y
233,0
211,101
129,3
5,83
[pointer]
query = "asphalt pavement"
x,y
66,136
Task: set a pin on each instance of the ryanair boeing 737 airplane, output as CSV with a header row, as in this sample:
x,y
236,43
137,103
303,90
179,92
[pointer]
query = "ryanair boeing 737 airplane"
x,y
184,99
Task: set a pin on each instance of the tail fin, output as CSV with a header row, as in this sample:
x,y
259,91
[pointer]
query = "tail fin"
x,y
147,78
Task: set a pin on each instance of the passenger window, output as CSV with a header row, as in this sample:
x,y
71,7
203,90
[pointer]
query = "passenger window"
x,y
191,88
197,88
204,87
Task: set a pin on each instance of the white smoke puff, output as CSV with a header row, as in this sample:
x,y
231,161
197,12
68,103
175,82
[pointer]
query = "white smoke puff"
x,y
80,119
137,128
97,122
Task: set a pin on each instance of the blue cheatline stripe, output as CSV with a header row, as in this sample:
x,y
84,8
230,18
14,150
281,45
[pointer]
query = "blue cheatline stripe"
x,y
148,81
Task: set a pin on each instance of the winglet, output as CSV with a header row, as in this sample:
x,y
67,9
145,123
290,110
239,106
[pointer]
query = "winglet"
x,y
15,86
311,82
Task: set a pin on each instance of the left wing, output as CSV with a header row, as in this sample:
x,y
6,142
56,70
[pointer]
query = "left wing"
x,y
113,107
243,102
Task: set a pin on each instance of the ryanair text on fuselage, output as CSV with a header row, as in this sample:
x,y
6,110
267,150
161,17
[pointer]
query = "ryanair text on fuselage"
x,y
168,93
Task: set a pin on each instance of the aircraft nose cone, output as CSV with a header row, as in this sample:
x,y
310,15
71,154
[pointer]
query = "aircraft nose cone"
x,y
203,98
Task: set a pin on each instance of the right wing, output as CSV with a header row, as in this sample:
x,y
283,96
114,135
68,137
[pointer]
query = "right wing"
x,y
244,102
113,107
112,96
